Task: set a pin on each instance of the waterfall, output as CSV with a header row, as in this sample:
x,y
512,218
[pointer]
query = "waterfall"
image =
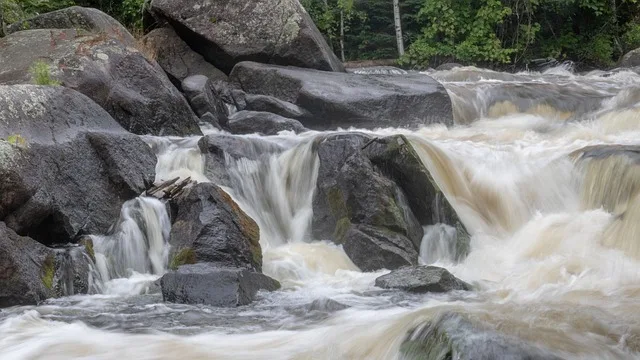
x,y
138,242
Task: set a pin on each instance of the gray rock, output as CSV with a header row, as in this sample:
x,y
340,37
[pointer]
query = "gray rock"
x,y
275,106
326,305
176,57
422,279
210,285
352,192
448,66
31,272
79,18
204,98
344,100
454,336
50,114
55,192
630,59
218,149
632,152
208,226
373,248
227,32
130,87
264,123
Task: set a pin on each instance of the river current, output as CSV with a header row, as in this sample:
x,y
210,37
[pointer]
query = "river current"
x,y
555,246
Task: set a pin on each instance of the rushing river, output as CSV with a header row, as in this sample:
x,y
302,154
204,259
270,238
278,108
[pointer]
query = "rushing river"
x,y
555,247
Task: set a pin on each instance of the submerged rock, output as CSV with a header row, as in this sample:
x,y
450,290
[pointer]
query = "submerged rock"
x,y
208,226
270,31
216,286
176,57
133,89
344,100
264,123
326,305
79,18
422,279
454,336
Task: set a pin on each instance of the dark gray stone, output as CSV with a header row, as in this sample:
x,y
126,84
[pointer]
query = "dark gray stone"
x,y
229,31
630,59
373,248
130,87
344,100
204,98
326,305
632,152
422,279
176,57
79,18
275,106
454,336
264,123
208,226
210,285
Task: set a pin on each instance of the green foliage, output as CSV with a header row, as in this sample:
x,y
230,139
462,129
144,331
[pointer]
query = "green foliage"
x,y
48,271
631,37
131,13
17,140
41,74
185,256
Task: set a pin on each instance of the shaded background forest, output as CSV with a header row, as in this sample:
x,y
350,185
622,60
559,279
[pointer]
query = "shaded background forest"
x,y
496,33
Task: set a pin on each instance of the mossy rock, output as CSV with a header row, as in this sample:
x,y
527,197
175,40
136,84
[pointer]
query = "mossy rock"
x,y
185,256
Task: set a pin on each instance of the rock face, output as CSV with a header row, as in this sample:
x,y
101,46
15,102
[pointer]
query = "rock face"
x,y
343,100
229,31
274,106
454,336
422,279
31,272
79,18
373,196
210,227
176,57
264,123
209,285
630,59
60,185
131,88
204,100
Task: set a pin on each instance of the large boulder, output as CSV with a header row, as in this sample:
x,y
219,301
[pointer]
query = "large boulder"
x,y
79,18
264,123
130,87
176,57
275,106
630,59
422,279
454,336
31,272
208,226
351,191
215,286
229,31
343,100
68,182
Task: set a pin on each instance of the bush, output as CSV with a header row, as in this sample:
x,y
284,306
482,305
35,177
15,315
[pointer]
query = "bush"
x,y
41,74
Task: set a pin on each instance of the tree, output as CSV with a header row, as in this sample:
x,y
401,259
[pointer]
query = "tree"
x,y
398,24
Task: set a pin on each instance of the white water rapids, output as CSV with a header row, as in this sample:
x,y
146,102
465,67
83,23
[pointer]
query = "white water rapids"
x,y
555,247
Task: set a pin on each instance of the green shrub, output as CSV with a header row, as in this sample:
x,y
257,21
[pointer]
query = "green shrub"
x,y
41,74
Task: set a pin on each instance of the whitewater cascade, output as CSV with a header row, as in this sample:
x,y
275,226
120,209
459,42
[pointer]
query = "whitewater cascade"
x,y
555,246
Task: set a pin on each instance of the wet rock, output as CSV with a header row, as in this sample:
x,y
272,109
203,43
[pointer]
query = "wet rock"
x,y
398,160
630,59
352,191
448,66
55,192
79,18
373,248
344,100
210,227
219,149
130,87
31,272
203,98
455,336
275,106
378,70
176,57
632,152
422,279
326,305
264,123
215,286
49,114
270,31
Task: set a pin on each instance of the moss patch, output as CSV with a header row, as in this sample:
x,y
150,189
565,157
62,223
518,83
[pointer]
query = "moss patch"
x,y
185,256
336,202
342,226
88,245
48,271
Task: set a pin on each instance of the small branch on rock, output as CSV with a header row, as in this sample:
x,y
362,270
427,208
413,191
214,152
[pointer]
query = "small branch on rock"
x,y
369,143
169,189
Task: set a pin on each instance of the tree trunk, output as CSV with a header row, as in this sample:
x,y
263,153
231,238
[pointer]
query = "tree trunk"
x,y
396,16
1,22
342,35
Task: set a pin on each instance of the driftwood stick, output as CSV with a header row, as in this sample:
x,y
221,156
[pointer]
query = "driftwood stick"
x,y
161,186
